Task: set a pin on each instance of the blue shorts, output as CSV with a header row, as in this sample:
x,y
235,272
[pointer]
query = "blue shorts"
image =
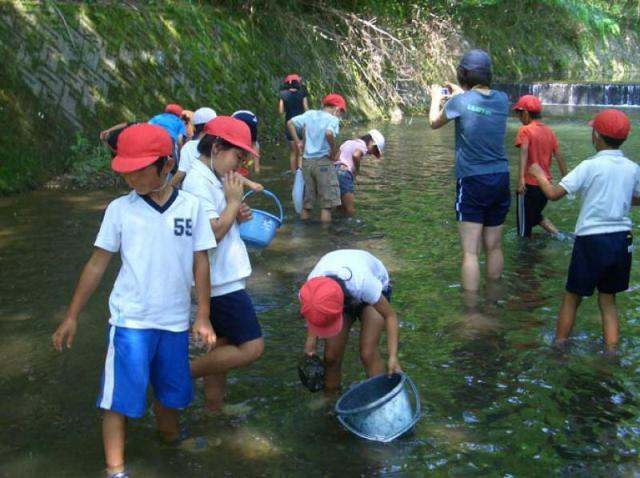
x,y
602,261
345,179
137,356
483,199
234,318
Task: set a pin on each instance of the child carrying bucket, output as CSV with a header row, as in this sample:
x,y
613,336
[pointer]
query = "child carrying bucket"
x,y
348,165
212,179
348,285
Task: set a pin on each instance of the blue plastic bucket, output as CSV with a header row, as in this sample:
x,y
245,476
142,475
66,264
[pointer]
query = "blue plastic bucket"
x,y
380,408
261,229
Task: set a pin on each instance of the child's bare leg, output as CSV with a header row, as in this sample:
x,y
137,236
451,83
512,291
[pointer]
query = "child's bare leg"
x,y
166,421
470,233
305,214
372,325
492,239
226,357
348,204
548,226
214,386
566,317
325,215
609,313
293,156
334,348
113,436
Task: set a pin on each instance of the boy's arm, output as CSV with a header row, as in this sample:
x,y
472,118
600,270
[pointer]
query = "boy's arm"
x,y
305,103
281,107
332,143
310,344
233,194
178,178
89,280
356,157
257,187
294,134
106,132
553,192
437,116
522,166
391,322
202,329
561,163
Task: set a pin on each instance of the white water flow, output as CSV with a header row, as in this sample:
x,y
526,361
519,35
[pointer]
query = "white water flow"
x,y
577,94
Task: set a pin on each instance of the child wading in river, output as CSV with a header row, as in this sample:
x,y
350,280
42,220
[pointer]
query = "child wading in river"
x,y
538,145
226,144
348,165
346,286
321,128
609,183
163,236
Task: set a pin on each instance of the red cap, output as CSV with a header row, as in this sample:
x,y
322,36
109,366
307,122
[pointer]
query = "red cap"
x,y
174,109
292,77
139,146
529,103
335,99
611,123
321,304
232,131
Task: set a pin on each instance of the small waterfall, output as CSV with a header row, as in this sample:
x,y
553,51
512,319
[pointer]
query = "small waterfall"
x,y
576,94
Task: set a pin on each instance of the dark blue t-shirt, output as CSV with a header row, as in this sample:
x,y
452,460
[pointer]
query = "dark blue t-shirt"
x,y
293,103
481,123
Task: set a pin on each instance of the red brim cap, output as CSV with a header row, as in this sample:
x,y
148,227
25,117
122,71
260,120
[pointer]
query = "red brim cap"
x,y
127,165
242,146
328,331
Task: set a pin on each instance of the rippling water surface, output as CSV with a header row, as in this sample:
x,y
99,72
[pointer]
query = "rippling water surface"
x,y
498,401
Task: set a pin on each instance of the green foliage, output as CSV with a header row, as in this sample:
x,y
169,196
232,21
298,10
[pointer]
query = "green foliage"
x,y
90,164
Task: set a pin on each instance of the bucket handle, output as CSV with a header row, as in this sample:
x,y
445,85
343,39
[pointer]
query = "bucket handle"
x,y
272,196
414,420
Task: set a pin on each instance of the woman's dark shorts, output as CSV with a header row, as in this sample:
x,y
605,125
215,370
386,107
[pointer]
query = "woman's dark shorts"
x,y
234,318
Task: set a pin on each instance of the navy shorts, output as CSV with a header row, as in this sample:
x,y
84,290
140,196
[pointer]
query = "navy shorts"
x,y
355,311
345,179
529,210
234,318
602,261
483,199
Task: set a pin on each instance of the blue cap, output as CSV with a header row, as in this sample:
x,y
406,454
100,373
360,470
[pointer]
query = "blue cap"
x,y
476,60
250,120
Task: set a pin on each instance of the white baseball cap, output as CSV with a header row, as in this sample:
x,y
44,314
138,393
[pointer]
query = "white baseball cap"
x,y
378,139
203,115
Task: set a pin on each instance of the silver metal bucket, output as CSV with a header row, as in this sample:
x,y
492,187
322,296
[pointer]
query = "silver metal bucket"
x,y
380,408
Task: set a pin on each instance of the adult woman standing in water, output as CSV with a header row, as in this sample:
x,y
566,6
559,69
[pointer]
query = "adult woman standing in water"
x,y
482,171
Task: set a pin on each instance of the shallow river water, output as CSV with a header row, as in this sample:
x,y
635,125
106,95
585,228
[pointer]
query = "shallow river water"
x,y
497,400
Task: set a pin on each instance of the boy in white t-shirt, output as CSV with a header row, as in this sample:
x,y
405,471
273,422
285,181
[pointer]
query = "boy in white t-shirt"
x,y
609,184
346,285
163,237
226,144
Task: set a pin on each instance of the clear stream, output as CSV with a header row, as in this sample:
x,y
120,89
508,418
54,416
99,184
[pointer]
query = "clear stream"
x,y
498,401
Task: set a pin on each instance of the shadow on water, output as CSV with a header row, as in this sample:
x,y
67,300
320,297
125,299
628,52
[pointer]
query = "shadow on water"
x,y
498,400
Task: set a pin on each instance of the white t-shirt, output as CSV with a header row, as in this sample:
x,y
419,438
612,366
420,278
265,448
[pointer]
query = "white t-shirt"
x,y
188,154
364,275
229,263
153,287
607,182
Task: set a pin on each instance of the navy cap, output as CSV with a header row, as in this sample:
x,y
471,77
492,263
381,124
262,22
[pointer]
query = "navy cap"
x,y
475,60
250,120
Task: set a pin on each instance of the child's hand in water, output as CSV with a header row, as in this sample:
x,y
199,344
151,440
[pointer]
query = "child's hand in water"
x,y
244,213
393,365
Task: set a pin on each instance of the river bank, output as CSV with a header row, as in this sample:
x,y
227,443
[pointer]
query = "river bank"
x,y
74,68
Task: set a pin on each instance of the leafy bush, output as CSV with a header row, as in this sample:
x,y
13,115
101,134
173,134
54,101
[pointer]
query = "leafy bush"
x,y
90,164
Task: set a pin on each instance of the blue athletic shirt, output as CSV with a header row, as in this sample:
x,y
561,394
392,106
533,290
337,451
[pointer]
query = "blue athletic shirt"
x,y
481,122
